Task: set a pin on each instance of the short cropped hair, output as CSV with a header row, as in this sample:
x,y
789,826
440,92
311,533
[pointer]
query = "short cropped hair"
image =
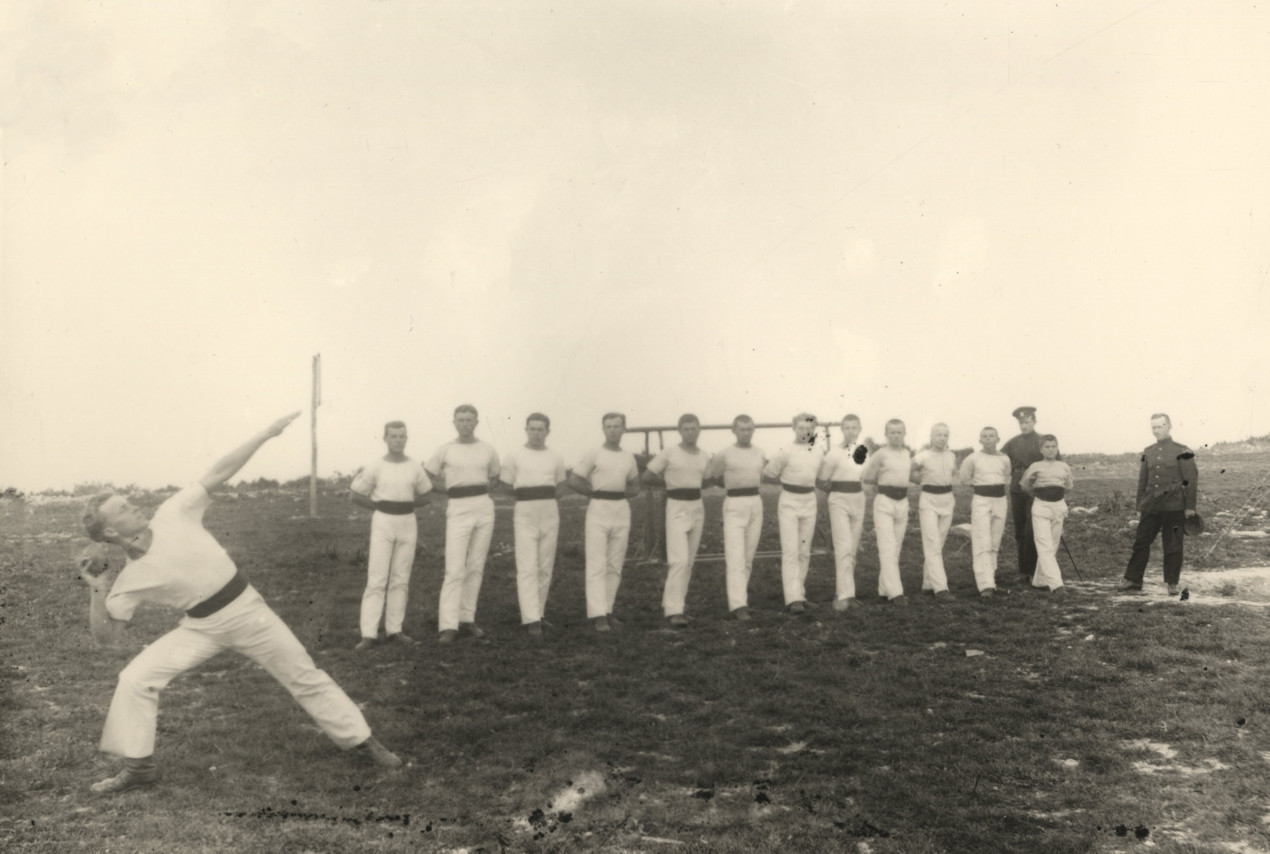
x,y
851,416
893,421
803,418
990,427
466,407
688,418
538,416
93,523
1163,415
393,425
741,419
935,427
1049,437
608,415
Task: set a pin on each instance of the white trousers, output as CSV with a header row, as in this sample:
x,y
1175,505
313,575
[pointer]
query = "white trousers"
x,y
987,524
469,525
742,524
246,625
684,523
1047,530
846,521
608,526
890,521
934,514
392,556
537,523
796,517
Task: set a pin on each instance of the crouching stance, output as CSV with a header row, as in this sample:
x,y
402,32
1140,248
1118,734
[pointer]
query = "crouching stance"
x,y
174,561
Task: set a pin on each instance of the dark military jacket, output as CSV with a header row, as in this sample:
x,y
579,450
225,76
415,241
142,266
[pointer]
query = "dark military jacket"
x,y
1168,478
1023,450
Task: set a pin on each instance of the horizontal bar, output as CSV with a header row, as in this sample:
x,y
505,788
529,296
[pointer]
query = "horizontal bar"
x,y
675,427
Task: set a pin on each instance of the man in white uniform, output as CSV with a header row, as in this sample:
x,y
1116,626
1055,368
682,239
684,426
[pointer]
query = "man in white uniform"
x,y
738,468
839,476
890,467
680,468
795,468
534,474
392,487
174,561
608,476
988,473
934,468
465,469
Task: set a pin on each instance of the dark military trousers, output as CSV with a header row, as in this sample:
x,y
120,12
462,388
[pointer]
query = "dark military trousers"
x,y
1172,523
1021,513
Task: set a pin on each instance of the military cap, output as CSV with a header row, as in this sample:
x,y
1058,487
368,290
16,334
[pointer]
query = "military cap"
x,y
1024,411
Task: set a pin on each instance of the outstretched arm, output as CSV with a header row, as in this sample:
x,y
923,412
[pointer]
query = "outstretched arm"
x,y
228,465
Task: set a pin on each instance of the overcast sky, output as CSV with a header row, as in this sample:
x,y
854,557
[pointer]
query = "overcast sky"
x,y
932,211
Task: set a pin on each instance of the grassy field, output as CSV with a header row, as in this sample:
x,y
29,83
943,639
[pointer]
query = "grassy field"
x,y
1094,722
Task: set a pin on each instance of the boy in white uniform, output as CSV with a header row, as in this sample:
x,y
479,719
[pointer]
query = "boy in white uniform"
x,y
609,476
988,473
795,468
890,467
391,486
1048,483
680,468
839,476
465,469
534,473
738,468
174,561
934,468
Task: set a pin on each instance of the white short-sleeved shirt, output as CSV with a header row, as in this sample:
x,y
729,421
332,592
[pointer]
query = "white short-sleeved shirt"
x,y
184,564
741,468
980,469
525,467
607,471
679,468
385,480
464,463
935,468
839,465
796,465
889,467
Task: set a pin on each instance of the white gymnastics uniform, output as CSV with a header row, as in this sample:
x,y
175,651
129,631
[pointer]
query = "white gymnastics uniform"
x,y
935,512
989,476
183,568
393,534
846,512
685,519
742,472
608,524
534,475
1047,519
797,466
891,469
469,525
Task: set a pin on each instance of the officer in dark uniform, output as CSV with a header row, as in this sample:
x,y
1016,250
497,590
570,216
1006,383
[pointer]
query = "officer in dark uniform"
x,y
1023,450
1168,484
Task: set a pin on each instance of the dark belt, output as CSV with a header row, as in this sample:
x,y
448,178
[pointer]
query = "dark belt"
x,y
395,508
535,493
936,490
1049,493
467,491
608,496
992,490
220,598
846,486
684,494
895,493
797,490
743,492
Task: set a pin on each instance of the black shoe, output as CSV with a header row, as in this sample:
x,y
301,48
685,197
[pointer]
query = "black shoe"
x,y
128,778
365,644
377,753
472,629
401,638
1127,585
798,607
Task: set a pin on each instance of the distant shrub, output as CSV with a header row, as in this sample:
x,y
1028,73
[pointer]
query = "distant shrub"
x,y
83,490
12,494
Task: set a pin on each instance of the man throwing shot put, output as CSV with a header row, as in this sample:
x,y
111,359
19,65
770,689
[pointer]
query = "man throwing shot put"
x,y
392,487
839,475
795,468
174,561
738,468
1168,485
680,468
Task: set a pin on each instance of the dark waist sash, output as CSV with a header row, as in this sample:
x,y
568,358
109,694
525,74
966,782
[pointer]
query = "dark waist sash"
x,y
797,490
992,490
846,486
895,493
936,490
608,496
220,598
684,494
1049,493
467,491
535,493
742,491
395,508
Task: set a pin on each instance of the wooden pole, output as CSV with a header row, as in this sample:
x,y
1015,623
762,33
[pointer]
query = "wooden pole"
x,y
317,401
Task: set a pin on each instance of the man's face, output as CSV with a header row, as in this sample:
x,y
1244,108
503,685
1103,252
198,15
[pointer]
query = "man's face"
x,y
989,438
614,428
1027,424
1049,450
895,435
850,431
688,433
939,438
744,433
465,423
121,516
804,430
1160,428
537,433
395,439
